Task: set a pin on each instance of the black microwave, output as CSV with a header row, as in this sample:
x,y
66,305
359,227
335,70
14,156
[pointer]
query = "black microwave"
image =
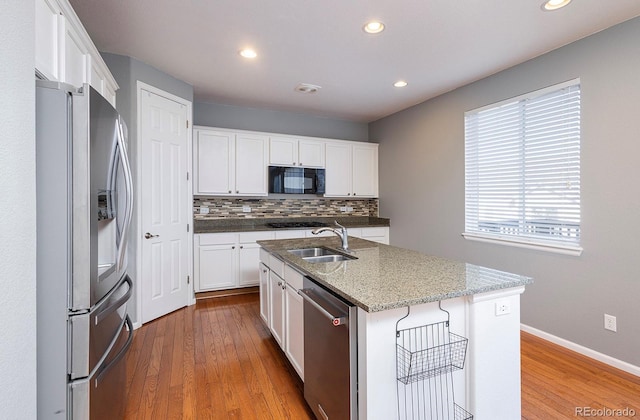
x,y
286,180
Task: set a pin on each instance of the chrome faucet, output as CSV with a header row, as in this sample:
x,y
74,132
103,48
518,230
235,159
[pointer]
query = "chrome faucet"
x,y
342,234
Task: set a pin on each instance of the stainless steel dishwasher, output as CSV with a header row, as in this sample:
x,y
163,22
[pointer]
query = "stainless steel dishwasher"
x,y
330,353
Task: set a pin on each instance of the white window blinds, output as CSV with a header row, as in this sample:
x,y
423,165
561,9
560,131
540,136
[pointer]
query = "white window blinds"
x,y
522,168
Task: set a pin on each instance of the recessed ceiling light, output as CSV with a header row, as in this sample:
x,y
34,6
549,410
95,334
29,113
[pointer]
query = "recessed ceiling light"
x,y
248,53
400,83
307,88
373,27
555,4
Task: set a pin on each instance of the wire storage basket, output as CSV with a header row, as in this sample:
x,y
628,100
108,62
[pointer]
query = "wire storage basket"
x,y
428,351
427,356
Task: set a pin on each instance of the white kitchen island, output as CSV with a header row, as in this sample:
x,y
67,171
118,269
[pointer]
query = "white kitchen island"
x,y
385,283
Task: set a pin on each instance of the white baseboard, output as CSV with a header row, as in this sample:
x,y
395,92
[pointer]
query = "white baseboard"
x,y
608,360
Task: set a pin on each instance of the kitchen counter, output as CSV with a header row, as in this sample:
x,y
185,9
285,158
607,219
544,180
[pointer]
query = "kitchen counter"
x,y
397,289
260,224
386,277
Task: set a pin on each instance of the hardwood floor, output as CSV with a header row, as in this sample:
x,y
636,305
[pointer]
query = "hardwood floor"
x,y
558,383
212,360
217,360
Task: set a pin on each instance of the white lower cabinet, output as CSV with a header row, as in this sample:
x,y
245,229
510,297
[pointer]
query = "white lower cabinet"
x,y
277,302
227,260
282,308
215,262
264,293
294,320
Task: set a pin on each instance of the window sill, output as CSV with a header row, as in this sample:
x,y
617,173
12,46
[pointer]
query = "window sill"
x,y
574,250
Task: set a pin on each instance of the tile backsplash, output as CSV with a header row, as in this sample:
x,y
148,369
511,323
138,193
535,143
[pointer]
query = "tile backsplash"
x,y
221,207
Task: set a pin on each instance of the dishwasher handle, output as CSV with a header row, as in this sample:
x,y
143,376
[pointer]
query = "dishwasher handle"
x,y
335,320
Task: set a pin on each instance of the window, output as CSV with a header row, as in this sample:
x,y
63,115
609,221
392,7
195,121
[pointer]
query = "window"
x,y
522,170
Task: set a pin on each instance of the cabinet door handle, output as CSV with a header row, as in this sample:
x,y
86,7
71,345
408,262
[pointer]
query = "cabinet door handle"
x,y
348,193
279,283
241,247
264,271
229,191
237,192
300,164
294,164
354,194
233,247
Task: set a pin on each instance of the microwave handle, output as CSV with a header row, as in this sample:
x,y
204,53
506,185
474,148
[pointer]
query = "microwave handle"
x,y
124,159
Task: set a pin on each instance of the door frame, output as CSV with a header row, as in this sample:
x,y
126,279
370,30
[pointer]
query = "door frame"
x,y
140,86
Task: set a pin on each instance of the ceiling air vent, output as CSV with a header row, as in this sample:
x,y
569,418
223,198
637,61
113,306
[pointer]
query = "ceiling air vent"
x,y
306,88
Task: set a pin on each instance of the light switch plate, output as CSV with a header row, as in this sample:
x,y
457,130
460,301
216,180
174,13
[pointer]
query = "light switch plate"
x,y
204,210
246,209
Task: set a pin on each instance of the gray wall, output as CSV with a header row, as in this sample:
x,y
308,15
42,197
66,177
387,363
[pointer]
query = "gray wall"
x,y
127,71
261,119
17,212
422,189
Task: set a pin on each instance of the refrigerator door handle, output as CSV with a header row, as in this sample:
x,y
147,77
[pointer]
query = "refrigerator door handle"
x,y
124,159
120,354
82,385
118,303
104,356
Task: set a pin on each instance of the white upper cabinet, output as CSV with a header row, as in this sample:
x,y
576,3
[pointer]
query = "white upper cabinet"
x,y
227,163
76,56
64,51
352,169
252,152
338,170
49,24
214,162
235,162
365,170
289,151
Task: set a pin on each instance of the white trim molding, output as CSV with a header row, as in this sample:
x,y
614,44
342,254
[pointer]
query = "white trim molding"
x,y
585,351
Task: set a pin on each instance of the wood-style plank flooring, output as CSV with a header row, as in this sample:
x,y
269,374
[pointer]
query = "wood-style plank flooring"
x,y
558,383
217,360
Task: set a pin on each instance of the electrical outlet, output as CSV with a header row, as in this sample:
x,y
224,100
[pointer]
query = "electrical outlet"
x,y
610,323
503,307
204,210
349,209
343,209
246,209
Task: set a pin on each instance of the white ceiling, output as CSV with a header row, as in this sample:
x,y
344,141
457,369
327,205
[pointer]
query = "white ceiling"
x,y
435,45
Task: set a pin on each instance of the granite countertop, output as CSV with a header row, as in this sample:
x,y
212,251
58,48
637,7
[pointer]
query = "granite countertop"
x,y
387,277
260,223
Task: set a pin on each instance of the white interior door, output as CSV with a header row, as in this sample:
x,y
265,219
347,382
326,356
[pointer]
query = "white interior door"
x,y
164,194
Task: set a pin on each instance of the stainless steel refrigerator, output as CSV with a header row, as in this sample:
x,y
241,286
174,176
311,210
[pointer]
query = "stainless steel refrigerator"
x,y
84,209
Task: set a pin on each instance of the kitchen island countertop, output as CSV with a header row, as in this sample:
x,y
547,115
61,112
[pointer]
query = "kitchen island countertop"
x,y
386,277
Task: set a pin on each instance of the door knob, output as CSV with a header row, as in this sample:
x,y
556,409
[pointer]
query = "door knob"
x,y
149,236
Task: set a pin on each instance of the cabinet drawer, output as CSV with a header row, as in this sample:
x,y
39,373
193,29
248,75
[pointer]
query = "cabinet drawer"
x,y
264,257
276,265
216,238
248,237
290,234
293,277
374,231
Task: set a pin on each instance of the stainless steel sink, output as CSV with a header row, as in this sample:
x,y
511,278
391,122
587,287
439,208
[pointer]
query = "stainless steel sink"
x,y
320,255
312,252
328,258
